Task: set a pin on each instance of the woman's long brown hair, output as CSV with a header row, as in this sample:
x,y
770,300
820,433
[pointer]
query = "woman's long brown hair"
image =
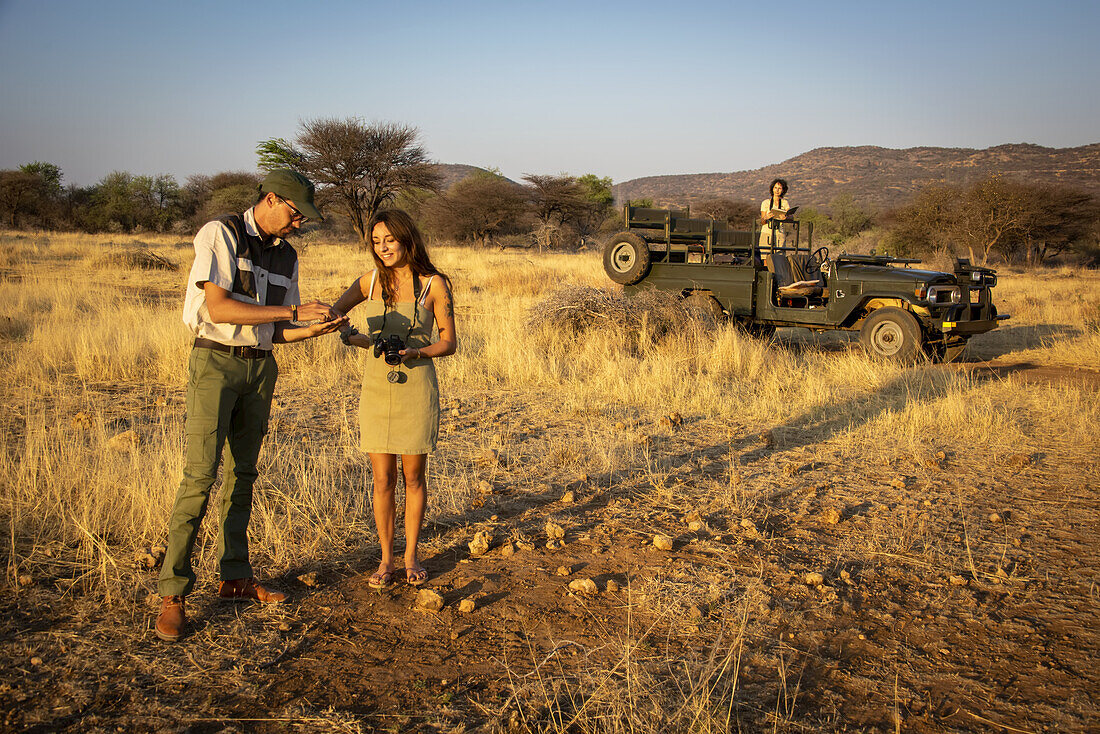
x,y
405,231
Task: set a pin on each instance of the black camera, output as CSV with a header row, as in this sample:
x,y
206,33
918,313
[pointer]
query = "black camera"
x,y
390,347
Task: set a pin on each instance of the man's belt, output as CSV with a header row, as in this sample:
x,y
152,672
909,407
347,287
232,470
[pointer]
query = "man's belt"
x,y
242,352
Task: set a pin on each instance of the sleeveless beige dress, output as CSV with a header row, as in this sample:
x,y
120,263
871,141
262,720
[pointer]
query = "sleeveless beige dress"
x,y
399,417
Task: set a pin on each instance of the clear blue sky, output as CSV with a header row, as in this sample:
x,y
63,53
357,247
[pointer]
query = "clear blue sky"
x,y
606,87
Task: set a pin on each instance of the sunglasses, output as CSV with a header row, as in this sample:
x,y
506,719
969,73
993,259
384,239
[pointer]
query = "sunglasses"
x,y
298,216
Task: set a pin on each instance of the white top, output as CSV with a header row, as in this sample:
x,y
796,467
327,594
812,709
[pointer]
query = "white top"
x,y
216,262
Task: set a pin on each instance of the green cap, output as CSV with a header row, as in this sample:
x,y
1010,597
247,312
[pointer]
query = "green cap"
x,y
294,186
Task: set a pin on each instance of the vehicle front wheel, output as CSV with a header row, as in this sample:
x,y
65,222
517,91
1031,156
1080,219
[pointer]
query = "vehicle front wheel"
x,y
626,258
891,333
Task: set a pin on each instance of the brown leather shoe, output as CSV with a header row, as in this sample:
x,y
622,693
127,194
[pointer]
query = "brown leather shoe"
x,y
249,590
171,619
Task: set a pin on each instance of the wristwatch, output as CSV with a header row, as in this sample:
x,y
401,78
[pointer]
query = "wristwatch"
x,y
347,334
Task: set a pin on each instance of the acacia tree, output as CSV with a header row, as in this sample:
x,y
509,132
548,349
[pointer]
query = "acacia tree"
x,y
477,208
357,167
735,214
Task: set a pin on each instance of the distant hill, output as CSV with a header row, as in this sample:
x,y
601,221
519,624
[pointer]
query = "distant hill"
x,y
452,173
877,178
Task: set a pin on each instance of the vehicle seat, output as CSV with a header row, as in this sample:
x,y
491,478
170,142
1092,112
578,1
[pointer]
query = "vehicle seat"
x,y
791,276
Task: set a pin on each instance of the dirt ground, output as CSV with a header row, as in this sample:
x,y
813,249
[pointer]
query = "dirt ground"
x,y
996,630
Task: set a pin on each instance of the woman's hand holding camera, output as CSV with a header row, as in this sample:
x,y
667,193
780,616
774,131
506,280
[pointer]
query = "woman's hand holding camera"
x,y
409,354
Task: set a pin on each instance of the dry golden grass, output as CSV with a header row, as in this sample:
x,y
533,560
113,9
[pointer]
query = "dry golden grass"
x,y
92,346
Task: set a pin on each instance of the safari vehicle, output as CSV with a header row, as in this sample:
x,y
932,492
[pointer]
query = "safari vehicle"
x,y
901,313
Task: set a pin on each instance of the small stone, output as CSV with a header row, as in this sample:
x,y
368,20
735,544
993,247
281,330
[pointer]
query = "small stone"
x,y
791,469
829,516
994,517
480,544
813,578
695,526
584,586
309,579
507,550
643,439
428,600
36,661
455,412
484,487
489,456
695,612
749,527
25,579
525,545
612,587
554,531
81,420
466,606
148,557
553,545
662,542
125,441
957,580
567,498
620,426
563,571
898,482
582,478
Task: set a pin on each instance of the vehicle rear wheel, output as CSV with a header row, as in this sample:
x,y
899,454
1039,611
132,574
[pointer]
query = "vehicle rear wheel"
x,y
891,333
706,303
626,258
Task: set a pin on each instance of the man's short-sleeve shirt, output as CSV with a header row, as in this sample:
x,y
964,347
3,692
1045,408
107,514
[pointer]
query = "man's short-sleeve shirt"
x,y
220,260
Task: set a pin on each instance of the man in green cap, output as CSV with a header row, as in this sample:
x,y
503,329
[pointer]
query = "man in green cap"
x,y
242,297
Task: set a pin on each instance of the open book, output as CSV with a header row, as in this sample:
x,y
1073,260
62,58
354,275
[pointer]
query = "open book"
x,y
789,212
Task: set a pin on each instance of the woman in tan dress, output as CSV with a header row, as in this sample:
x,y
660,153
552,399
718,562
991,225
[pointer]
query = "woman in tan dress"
x,y
405,295
773,211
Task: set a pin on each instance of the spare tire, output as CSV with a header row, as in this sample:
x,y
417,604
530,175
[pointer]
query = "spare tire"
x,y
626,258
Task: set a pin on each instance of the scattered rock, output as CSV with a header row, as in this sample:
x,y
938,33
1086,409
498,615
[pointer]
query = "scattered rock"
x,y
284,626
309,579
582,478
466,606
612,587
567,498
1020,461
149,556
81,420
507,550
813,578
662,542
455,412
643,439
525,545
484,487
957,580
36,661
480,544
994,517
767,438
791,469
898,482
563,571
695,612
695,525
553,545
25,579
554,531
125,441
620,426
749,527
830,516
584,586
428,600
672,420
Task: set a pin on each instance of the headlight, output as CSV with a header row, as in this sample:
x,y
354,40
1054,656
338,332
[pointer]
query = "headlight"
x,y
976,276
944,294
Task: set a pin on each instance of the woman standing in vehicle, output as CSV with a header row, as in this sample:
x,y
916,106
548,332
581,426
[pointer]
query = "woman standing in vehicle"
x,y
773,210
405,296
